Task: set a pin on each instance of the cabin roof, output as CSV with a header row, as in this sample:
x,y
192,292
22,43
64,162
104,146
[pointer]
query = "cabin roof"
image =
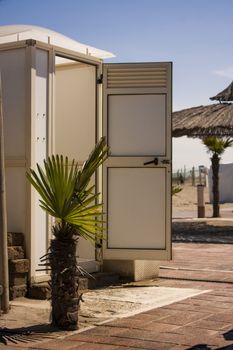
x,y
12,33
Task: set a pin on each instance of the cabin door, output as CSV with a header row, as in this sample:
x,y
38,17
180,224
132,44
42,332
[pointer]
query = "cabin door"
x,y
137,174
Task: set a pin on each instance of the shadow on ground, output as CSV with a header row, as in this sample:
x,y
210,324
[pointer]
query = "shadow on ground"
x,y
26,334
211,231
228,335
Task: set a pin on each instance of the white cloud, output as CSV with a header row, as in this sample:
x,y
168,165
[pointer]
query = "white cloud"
x,y
227,72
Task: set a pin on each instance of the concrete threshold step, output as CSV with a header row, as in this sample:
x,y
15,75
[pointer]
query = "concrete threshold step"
x,y
96,280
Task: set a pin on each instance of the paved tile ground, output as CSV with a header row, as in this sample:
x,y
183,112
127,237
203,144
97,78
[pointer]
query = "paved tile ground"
x,y
200,261
201,322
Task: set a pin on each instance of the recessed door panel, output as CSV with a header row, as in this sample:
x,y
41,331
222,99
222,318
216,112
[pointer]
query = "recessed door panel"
x,y
140,122
143,191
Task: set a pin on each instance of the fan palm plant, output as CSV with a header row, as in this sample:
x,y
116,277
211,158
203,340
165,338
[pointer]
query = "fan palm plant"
x,y
216,146
176,189
66,195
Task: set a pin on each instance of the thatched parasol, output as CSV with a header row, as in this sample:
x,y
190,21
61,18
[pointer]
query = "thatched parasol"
x,y
214,120
225,95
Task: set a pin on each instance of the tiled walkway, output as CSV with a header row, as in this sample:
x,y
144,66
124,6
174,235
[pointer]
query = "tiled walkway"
x,y
200,261
201,322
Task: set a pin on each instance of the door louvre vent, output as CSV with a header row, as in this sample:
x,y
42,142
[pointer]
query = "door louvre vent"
x,y
130,77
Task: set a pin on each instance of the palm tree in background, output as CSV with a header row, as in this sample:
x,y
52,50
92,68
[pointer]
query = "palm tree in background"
x,y
216,146
66,195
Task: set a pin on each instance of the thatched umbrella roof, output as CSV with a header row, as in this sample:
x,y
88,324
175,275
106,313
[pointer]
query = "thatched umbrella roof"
x,y
225,95
215,119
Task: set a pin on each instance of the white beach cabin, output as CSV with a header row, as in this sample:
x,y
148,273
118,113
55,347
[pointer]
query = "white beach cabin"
x,y
59,97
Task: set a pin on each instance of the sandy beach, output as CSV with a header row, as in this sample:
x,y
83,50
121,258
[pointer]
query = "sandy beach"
x,y
186,227
184,203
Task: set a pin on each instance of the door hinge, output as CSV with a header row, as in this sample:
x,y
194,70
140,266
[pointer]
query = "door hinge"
x,y
100,79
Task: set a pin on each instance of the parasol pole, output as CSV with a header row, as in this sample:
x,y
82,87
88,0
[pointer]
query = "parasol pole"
x,y
3,216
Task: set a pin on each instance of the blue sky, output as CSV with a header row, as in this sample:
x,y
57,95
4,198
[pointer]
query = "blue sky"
x,y
194,34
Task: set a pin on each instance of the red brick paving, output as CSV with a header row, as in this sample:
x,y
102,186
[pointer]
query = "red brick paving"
x,y
203,319
201,322
202,256
200,261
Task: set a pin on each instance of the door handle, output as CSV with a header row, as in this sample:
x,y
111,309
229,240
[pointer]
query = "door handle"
x,y
155,161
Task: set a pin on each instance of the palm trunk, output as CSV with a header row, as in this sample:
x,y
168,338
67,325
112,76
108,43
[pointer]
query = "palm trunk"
x,y
215,189
64,283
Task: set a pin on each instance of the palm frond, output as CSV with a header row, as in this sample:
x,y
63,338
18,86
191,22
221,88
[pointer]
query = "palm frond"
x,y
217,145
228,142
96,158
176,189
66,194
55,184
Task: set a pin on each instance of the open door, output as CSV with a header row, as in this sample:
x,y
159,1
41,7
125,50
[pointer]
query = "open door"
x,y
75,126
137,174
